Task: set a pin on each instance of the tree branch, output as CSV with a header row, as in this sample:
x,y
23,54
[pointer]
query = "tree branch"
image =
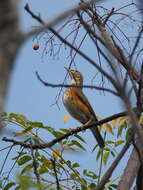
x,y
56,19
130,172
109,172
72,132
67,85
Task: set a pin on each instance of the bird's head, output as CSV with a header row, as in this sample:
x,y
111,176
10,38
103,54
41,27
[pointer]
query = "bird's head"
x,y
76,76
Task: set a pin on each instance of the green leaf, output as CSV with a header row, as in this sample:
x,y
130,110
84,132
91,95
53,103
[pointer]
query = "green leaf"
x,y
23,160
65,130
118,143
37,154
83,187
80,138
18,187
107,149
98,154
27,168
75,165
19,154
17,117
9,185
76,143
114,186
43,169
92,185
105,157
58,134
68,162
113,154
110,142
40,125
94,147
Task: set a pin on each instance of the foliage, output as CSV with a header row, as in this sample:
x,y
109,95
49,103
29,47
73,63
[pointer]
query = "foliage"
x,y
68,171
118,64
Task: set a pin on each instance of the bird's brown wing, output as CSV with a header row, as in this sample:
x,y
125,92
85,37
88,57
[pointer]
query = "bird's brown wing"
x,y
88,109
86,103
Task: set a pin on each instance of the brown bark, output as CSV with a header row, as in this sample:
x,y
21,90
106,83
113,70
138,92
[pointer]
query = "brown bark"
x,y
9,43
130,172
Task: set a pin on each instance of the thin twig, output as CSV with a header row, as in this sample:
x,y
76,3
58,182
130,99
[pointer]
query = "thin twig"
x,y
35,165
56,176
79,86
56,19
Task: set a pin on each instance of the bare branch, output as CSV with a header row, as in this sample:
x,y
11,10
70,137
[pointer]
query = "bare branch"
x,y
67,85
57,19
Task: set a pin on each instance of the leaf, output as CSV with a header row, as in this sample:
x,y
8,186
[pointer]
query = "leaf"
x,y
108,128
9,185
23,160
99,154
120,129
113,122
56,153
70,149
66,118
17,188
80,138
58,134
114,186
118,143
43,169
113,154
73,176
17,117
96,146
76,143
105,157
122,121
24,132
64,130
75,165
27,168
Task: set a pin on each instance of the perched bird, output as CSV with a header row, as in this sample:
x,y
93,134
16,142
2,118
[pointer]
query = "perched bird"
x,y
78,105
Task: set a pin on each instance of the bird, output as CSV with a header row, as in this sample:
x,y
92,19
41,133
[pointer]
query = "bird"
x,y
78,106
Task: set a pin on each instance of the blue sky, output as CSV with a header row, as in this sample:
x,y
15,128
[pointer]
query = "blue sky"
x,y
28,96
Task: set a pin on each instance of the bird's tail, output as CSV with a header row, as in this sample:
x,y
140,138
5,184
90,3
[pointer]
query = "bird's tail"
x,y
98,136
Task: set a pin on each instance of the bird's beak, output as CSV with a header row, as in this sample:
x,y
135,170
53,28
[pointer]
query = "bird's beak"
x,y
69,71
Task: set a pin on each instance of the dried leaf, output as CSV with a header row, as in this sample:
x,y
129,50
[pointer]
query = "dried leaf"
x,y
66,117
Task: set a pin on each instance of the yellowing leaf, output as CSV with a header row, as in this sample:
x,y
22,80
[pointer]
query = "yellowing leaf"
x,y
113,122
56,153
21,133
117,143
122,121
141,119
24,132
70,149
105,157
108,128
66,117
